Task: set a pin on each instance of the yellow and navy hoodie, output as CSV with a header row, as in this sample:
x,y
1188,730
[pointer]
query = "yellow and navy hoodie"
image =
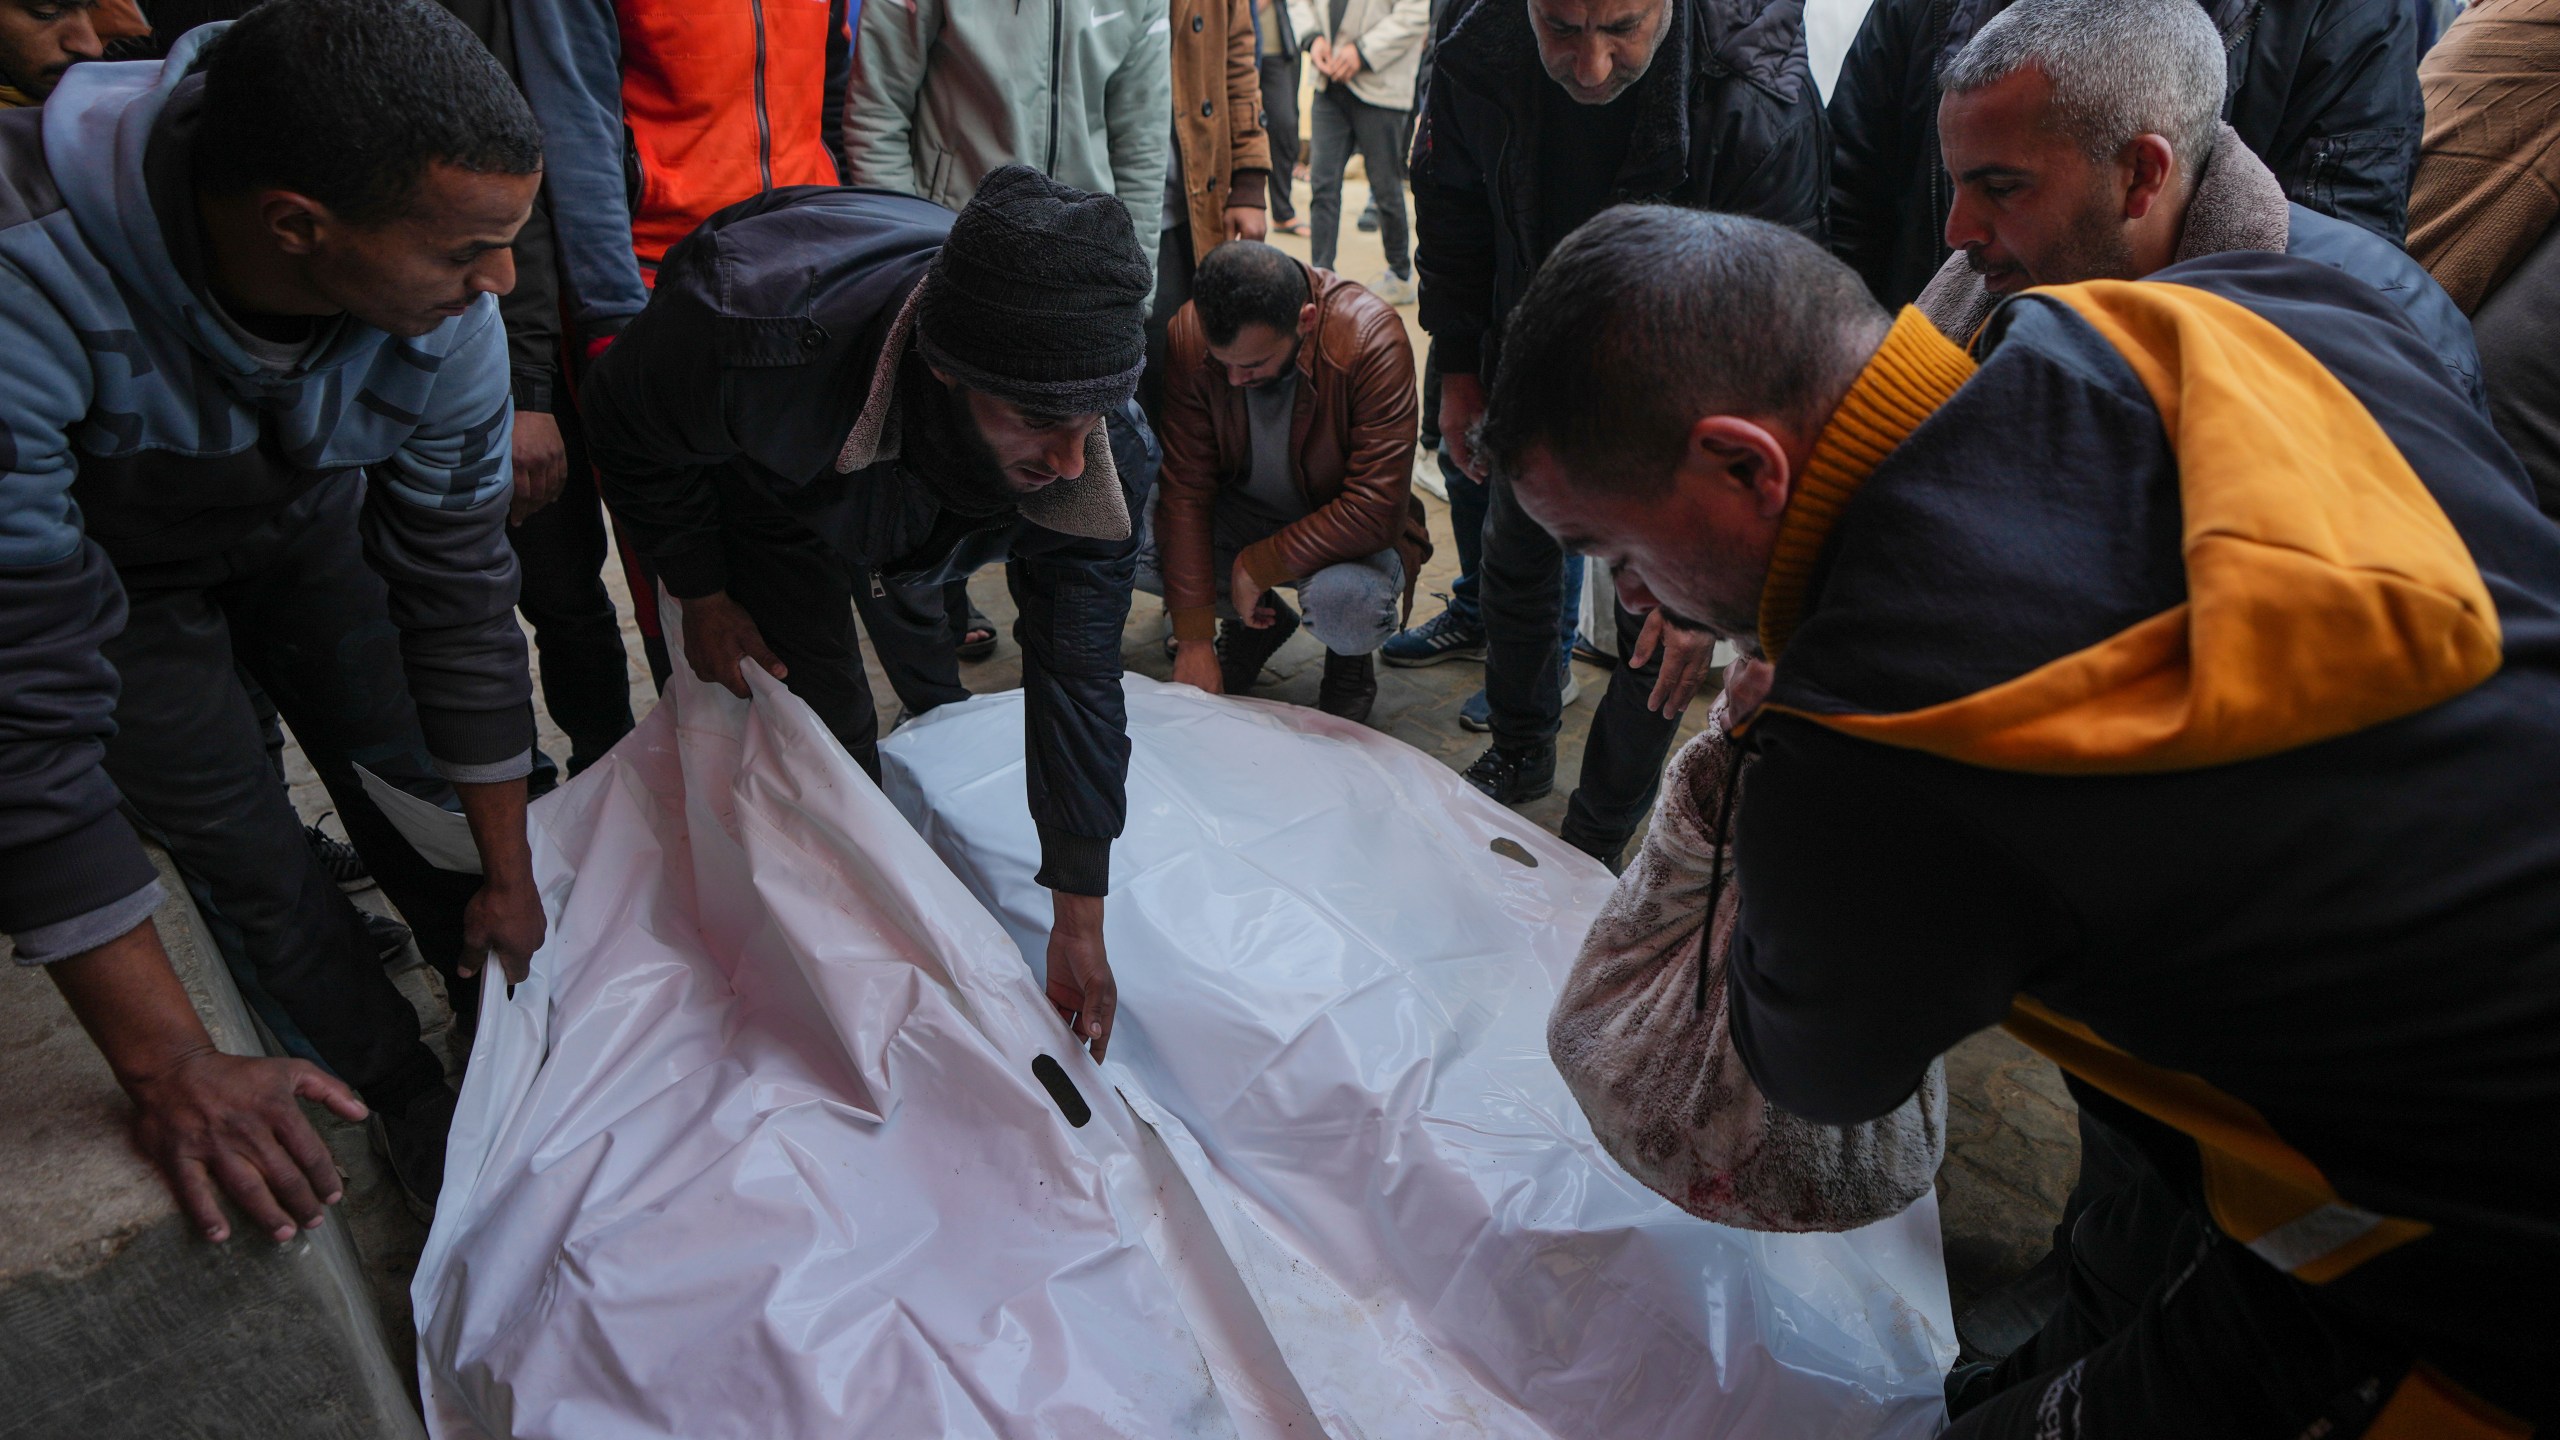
x,y
2175,677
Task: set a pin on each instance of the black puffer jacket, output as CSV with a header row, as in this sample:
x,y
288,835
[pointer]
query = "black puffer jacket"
x,y
1730,121
2325,91
749,368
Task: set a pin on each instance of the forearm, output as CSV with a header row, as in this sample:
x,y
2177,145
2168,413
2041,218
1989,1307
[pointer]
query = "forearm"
x,y
495,811
133,1006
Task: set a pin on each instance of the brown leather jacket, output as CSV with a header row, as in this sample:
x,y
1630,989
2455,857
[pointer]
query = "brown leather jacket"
x,y
1217,115
1351,437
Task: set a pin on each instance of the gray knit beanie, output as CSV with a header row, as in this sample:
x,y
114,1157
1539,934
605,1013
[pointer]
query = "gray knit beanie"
x,y
1039,297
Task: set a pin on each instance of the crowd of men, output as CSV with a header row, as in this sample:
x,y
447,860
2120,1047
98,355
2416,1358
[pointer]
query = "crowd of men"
x,y
2165,670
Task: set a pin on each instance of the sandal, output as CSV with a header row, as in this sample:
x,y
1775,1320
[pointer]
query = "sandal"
x,y
1292,226
979,640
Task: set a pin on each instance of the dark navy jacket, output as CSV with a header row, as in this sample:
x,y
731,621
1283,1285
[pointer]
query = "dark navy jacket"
x,y
2358,938
749,368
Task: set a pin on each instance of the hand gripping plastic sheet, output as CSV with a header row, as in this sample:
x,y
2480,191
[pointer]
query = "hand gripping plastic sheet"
x,y
758,1151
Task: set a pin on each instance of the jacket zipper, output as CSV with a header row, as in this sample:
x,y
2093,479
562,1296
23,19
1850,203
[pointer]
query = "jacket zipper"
x,y
764,122
1057,65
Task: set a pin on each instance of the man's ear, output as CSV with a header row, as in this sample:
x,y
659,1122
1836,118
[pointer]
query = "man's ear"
x,y
1742,457
294,222
2149,163
1307,320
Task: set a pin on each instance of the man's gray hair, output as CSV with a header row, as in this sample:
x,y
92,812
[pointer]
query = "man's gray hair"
x,y
2119,68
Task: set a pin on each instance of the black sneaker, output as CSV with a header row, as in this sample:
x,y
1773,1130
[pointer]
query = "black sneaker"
x,y
390,938
1367,224
339,858
1515,777
1243,650
411,1143
1350,686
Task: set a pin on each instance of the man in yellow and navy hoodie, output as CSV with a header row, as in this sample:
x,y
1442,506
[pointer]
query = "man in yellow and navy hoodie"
x,y
2173,677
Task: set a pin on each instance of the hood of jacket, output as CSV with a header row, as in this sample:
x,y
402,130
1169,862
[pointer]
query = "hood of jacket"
x,y
2325,589
118,138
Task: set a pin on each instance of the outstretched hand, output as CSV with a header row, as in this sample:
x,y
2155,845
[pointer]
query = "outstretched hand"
x,y
221,1125
1080,983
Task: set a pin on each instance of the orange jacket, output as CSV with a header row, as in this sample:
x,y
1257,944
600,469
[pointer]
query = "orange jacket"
x,y
655,113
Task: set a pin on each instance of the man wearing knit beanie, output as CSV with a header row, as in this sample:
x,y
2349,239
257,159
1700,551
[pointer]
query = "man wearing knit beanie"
x,y
838,399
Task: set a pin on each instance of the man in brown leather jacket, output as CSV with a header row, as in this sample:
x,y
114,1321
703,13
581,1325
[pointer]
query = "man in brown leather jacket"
x,y
1288,433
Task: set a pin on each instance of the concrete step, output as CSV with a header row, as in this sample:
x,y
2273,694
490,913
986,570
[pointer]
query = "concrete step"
x,y
119,1320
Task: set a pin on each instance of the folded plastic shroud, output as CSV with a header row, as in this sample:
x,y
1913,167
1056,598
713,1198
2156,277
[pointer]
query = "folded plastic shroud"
x,y
758,1149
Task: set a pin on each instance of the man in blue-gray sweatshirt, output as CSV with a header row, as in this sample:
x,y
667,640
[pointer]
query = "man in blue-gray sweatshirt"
x,y
254,412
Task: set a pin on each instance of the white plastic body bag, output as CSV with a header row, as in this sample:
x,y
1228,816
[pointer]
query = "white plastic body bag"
x,y
758,1149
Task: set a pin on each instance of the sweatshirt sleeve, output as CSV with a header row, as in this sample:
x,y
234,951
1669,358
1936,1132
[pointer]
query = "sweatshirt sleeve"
x,y
435,529
569,61
72,873
892,39
1137,109
1878,925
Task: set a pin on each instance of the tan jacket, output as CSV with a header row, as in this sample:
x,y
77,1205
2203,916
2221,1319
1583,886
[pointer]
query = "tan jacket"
x,y
1217,115
2488,182
1350,443
1390,35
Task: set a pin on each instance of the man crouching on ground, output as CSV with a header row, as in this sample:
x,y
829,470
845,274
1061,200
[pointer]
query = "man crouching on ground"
x,y
2157,678
1288,461
842,398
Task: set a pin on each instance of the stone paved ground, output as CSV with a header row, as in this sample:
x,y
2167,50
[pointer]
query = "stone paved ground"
x,y
2012,1142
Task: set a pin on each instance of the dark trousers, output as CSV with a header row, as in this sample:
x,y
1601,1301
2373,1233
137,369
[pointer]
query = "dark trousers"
x,y
803,596
1519,584
1174,271
2216,1342
1344,122
1280,122
560,549
294,606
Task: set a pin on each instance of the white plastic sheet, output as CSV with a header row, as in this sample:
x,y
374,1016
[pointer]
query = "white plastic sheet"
x,y
757,1150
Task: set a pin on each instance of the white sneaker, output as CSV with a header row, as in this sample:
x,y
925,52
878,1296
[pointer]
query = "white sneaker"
x,y
1394,289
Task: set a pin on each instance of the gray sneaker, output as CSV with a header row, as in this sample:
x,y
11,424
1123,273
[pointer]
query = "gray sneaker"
x,y
1395,289
1444,636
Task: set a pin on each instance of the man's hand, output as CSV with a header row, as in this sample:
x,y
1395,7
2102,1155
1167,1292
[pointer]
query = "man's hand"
x,y
1461,406
1245,593
1346,61
718,633
1746,685
1248,222
1195,663
215,1124
1079,972
221,1124
505,918
1686,656
541,464
1321,52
